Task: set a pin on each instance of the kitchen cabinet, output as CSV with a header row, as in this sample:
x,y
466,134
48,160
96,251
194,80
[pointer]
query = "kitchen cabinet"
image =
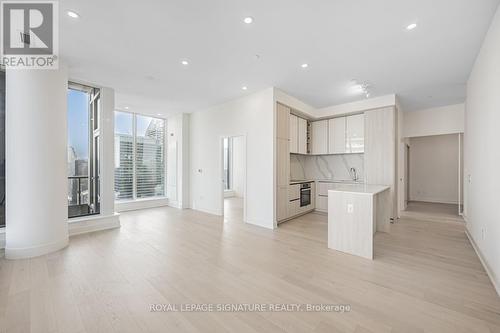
x,y
322,195
380,150
294,192
282,203
319,139
282,122
302,136
294,134
355,134
282,160
337,135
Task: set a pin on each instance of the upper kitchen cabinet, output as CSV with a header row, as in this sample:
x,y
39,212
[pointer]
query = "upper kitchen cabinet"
x,y
294,134
302,137
282,122
319,131
355,134
337,135
298,135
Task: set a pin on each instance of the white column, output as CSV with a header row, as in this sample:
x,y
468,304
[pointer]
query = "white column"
x,y
36,159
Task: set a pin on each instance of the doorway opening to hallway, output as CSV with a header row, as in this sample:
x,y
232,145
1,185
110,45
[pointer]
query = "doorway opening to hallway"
x,y
234,178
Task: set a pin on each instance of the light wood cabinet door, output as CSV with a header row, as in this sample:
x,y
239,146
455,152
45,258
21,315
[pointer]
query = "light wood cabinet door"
x,y
283,162
355,133
380,150
337,135
319,137
282,203
283,122
302,136
294,134
294,192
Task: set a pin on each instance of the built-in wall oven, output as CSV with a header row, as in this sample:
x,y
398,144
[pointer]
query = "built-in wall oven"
x,y
305,194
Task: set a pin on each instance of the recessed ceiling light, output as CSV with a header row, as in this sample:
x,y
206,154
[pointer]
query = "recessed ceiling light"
x,y
73,14
244,88
411,26
185,62
126,108
158,114
304,65
248,20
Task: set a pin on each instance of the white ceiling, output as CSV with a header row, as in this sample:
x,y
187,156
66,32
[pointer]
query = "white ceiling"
x,y
136,47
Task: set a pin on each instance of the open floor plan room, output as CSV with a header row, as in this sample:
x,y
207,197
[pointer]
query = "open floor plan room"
x,y
426,277
259,166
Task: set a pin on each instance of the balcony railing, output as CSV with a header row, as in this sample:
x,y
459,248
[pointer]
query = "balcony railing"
x,y
79,191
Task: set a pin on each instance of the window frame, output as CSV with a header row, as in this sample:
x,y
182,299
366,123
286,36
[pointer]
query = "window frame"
x,y
134,157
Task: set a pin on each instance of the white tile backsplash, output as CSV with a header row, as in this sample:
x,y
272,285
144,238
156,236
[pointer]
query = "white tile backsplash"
x,y
326,167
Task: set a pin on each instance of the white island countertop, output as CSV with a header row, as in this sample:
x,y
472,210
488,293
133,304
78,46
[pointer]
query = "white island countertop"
x,y
360,188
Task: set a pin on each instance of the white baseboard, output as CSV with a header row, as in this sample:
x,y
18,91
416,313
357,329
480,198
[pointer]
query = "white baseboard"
x,y
123,206
487,268
208,211
93,223
263,224
35,251
450,202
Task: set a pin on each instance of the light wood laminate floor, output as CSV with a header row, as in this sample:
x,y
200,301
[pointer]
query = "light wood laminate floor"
x,y
425,278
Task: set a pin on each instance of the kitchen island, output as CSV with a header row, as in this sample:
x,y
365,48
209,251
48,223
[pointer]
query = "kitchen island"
x,y
355,213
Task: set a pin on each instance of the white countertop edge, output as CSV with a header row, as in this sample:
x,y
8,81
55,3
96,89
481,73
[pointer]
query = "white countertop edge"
x,y
362,189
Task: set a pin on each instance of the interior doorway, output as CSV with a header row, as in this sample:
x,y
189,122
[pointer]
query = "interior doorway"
x,y
234,178
434,177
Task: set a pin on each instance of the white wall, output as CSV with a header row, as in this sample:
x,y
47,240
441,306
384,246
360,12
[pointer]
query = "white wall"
x,y
238,166
434,168
252,116
435,121
482,152
178,171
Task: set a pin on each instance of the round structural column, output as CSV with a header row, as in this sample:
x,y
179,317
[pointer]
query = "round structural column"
x,y
36,171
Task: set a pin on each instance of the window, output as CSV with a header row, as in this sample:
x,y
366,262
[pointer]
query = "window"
x,y
83,150
227,163
139,156
124,156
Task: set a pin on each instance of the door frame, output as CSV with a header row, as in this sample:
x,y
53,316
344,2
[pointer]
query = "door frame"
x,y
245,173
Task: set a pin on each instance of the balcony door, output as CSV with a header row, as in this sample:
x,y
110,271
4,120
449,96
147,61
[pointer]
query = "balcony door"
x,y
84,109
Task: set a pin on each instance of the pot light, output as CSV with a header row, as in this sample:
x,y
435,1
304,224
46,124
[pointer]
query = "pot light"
x,y
248,20
304,65
185,62
244,88
158,114
73,14
126,108
411,26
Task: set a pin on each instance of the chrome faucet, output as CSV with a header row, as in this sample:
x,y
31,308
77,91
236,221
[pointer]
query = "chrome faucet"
x,y
354,174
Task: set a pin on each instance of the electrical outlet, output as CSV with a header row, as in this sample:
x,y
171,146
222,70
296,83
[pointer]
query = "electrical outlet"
x,y
350,208
483,234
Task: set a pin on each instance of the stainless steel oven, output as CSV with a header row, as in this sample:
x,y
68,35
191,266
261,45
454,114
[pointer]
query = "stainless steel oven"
x,y
305,194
